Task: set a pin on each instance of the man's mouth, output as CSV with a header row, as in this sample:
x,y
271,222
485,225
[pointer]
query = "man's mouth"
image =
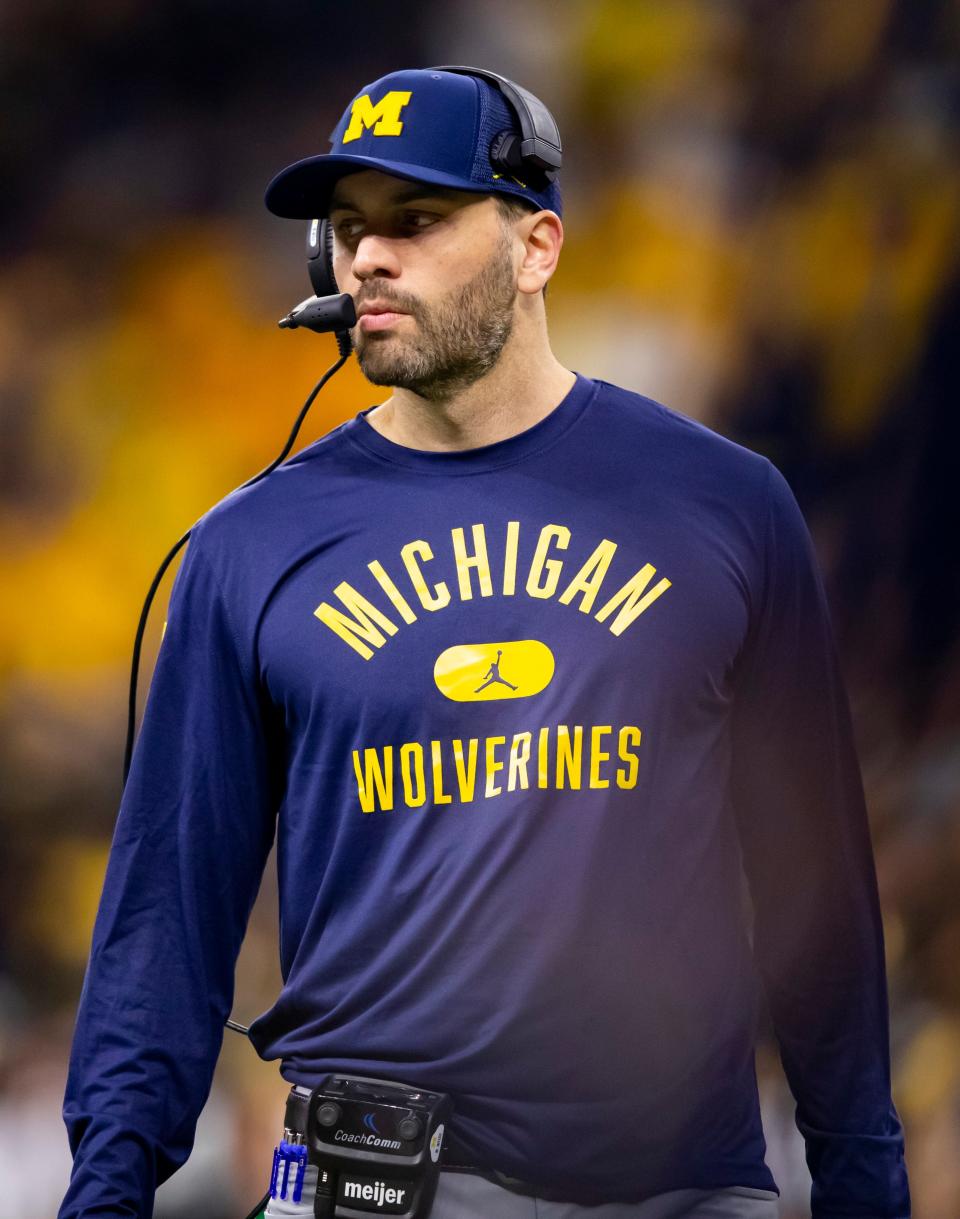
x,y
380,321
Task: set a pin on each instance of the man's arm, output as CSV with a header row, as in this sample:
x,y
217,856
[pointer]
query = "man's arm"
x,y
818,936
194,830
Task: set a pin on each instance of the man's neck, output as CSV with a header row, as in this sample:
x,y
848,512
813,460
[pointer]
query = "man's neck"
x,y
502,404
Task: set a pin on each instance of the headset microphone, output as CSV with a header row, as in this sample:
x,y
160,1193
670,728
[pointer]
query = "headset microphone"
x,y
322,313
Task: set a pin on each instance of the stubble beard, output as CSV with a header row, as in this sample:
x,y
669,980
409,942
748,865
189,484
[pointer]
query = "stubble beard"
x,y
451,345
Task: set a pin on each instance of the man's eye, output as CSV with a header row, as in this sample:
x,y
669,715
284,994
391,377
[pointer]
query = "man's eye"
x,y
348,228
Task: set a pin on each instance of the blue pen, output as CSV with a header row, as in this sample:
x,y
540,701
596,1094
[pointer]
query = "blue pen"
x,y
288,1154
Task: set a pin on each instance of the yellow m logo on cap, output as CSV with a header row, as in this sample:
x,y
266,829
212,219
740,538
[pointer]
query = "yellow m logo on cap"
x,y
382,118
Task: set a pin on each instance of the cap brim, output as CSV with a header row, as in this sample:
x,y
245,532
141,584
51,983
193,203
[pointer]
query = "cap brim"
x,y
302,190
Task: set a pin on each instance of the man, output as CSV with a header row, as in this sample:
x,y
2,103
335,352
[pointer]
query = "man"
x,y
525,892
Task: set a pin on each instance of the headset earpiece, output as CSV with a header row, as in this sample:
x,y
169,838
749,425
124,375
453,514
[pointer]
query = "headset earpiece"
x,y
506,158
320,258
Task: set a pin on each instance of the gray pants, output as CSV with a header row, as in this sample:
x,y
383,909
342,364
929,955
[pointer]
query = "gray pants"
x,y
464,1195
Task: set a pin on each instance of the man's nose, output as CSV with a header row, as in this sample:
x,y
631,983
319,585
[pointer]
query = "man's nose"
x,y
375,255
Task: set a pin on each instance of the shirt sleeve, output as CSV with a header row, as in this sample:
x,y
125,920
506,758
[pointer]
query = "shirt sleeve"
x,y
817,937
194,830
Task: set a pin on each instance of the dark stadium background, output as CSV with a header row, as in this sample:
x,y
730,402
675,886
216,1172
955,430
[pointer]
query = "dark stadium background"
x,y
762,204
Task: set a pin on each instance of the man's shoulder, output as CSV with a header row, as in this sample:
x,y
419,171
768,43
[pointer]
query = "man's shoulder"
x,y
253,519
281,489
675,437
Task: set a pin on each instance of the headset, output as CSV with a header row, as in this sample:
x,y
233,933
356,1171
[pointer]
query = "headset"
x,y
535,154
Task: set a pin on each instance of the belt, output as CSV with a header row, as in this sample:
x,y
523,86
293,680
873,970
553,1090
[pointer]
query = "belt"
x,y
514,1184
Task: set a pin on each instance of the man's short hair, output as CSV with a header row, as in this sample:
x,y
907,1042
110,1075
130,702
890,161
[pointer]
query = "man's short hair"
x,y
512,207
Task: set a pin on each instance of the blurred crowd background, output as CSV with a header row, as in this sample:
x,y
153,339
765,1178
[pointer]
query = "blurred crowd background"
x,y
761,216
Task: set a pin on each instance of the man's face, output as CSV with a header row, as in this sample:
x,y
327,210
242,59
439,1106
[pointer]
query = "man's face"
x,y
442,257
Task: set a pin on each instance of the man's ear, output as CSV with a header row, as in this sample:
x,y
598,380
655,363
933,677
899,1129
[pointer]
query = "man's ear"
x,y
543,239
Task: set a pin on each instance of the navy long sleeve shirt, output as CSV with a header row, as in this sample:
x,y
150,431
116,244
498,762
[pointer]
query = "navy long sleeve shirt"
x,y
521,719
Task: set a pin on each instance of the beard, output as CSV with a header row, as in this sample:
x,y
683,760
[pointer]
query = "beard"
x,y
449,345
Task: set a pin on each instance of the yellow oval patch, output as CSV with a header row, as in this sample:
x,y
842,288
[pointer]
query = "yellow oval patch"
x,y
479,672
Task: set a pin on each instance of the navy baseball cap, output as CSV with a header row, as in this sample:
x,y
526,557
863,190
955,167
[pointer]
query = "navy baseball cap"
x,y
422,124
